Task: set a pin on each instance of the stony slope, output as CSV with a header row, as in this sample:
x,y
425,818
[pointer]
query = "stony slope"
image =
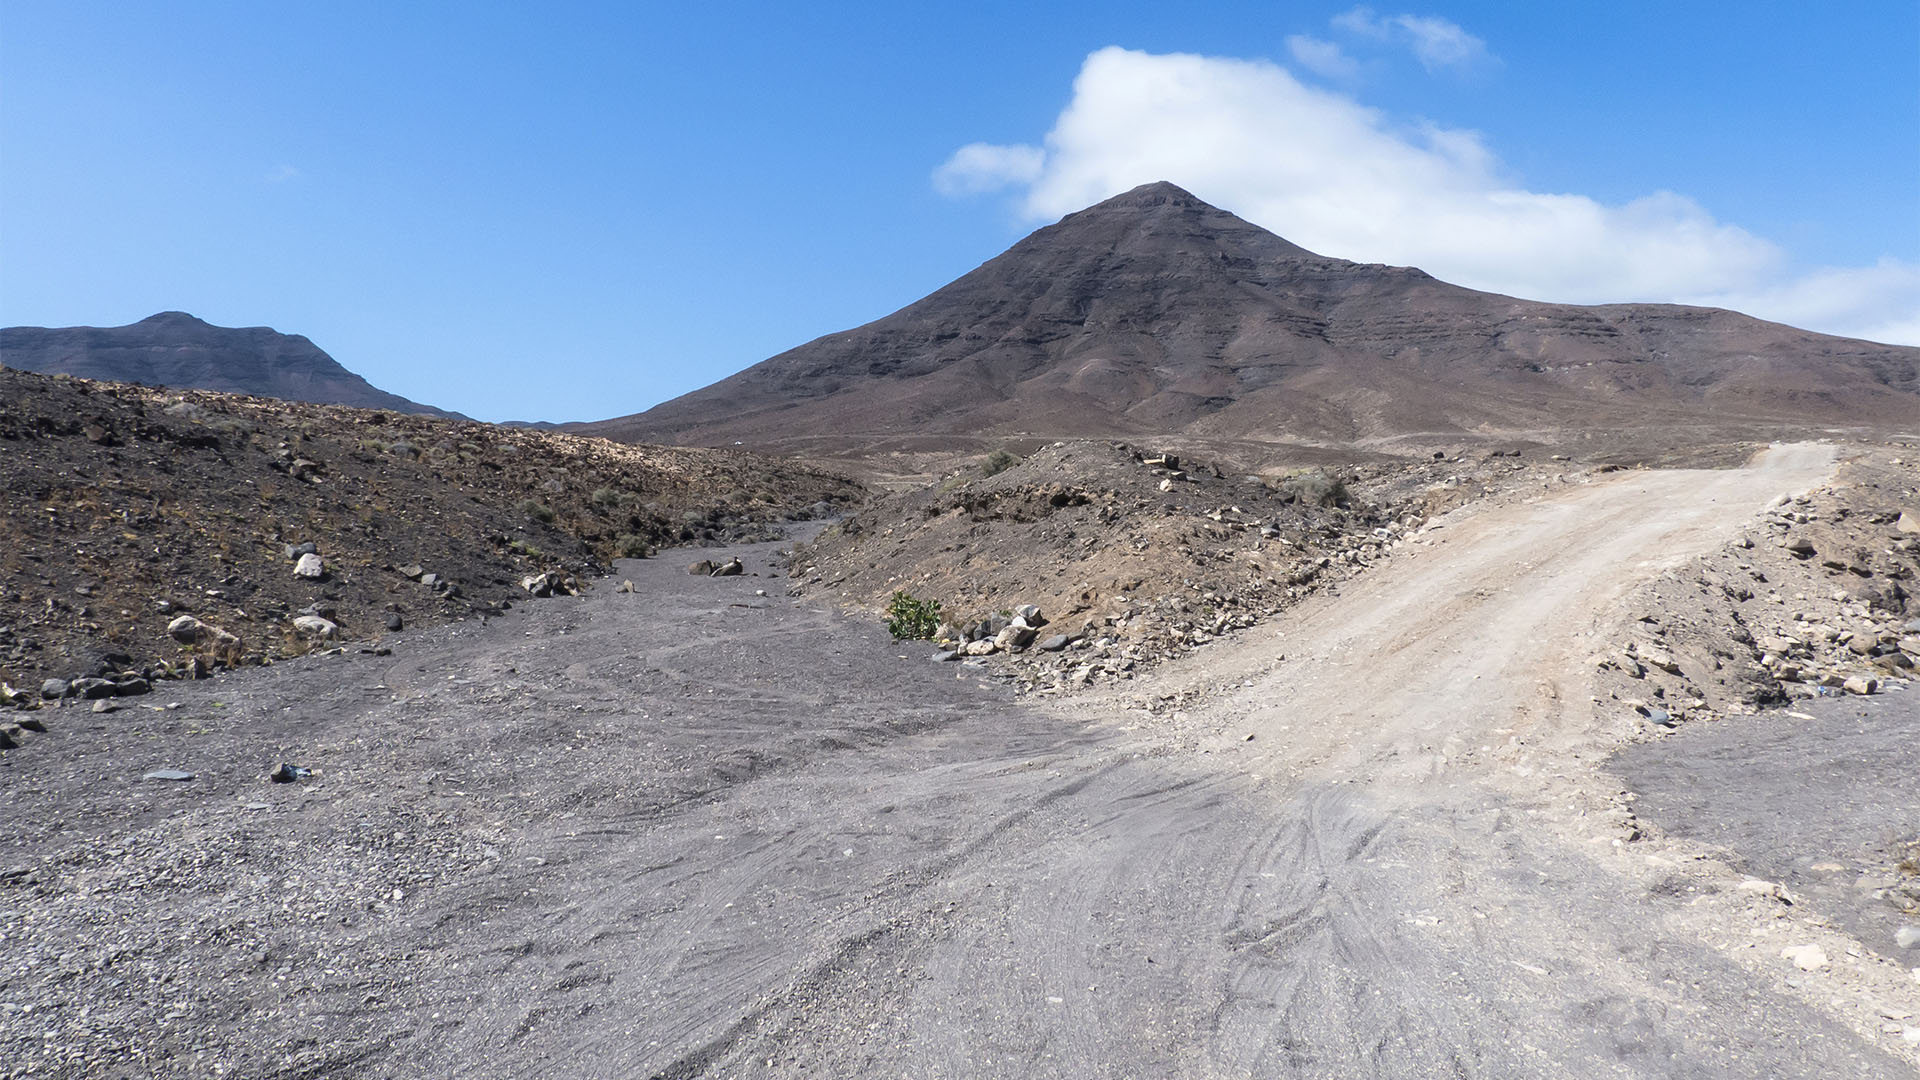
x,y
175,349
1154,314
123,508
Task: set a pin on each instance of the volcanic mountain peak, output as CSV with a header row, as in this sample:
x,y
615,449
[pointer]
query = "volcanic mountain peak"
x,y
1154,314
174,318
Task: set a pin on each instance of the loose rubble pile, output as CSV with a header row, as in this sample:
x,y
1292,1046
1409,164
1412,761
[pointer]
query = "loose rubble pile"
x,y
1813,602
169,534
1136,556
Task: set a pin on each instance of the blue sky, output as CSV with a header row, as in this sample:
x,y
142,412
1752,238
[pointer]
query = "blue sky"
x,y
574,211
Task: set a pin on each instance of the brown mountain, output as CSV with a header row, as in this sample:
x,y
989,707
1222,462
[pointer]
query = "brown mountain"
x,y
1155,314
175,349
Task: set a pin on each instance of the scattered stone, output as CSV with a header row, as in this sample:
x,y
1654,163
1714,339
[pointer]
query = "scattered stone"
x,y
313,626
1805,957
703,568
295,551
983,647
1798,546
1054,643
310,566
54,689
730,568
395,622
1030,613
132,687
551,583
1659,658
1907,937
1014,637
7,741
1908,522
105,706
33,723
93,689
411,570
941,656
188,630
1862,685
431,581
625,586
287,774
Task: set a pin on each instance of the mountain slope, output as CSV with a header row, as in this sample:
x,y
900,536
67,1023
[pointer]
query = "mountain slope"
x,y
1154,313
175,349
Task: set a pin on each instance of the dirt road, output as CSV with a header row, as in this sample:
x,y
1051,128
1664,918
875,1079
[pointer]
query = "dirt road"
x,y
695,831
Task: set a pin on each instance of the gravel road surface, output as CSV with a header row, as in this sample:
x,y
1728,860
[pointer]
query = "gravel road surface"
x,y
695,831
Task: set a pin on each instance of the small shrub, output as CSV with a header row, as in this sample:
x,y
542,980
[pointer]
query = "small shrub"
x,y
535,509
1314,487
909,619
522,547
605,497
998,462
629,546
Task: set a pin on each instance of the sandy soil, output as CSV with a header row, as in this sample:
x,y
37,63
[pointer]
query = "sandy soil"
x,y
697,831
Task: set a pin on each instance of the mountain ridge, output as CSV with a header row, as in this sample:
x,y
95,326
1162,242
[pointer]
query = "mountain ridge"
x,y
179,350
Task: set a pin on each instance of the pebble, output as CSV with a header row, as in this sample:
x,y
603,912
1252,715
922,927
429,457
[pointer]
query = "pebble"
x,y
310,566
1805,957
167,774
315,627
1907,937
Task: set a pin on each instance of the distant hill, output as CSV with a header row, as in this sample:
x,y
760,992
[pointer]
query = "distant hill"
x,y
1153,313
175,349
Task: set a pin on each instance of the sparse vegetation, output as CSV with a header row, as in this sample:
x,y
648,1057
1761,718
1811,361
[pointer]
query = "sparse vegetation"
x,y
1314,487
911,619
535,509
606,498
998,462
629,546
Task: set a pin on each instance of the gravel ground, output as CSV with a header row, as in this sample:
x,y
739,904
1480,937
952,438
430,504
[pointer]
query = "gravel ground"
x,y
1819,798
697,831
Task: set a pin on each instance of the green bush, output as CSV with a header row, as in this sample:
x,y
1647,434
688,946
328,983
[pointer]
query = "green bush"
x,y
535,510
606,497
629,546
998,462
909,619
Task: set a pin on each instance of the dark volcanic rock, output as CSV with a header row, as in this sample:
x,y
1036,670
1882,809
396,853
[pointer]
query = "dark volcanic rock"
x,y
1153,313
175,349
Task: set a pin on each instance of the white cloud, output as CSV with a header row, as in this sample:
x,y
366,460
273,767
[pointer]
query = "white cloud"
x,y
1340,178
979,167
1439,43
1436,42
1323,57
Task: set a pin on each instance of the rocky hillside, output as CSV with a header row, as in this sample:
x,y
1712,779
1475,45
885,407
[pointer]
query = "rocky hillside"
x,y
1154,315
159,532
175,349
1130,557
